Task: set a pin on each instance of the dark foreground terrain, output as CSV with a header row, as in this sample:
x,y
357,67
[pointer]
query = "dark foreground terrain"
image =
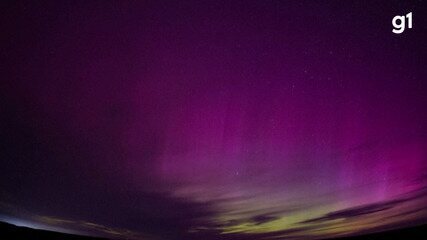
x,y
411,233
9,231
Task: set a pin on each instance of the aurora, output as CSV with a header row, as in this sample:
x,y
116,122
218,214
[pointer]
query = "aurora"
x,y
213,120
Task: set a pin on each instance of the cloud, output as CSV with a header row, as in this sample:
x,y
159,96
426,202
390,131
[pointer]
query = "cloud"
x,y
92,228
261,219
352,212
366,209
134,217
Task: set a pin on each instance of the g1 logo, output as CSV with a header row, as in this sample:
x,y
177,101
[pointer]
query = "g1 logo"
x,y
399,23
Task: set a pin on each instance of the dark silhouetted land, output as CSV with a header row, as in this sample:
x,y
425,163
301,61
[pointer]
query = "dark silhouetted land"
x,y
9,231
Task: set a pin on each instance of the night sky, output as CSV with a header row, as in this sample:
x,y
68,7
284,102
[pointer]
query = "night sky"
x,y
209,120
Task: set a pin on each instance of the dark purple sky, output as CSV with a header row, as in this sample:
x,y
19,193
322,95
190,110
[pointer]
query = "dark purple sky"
x,y
213,119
